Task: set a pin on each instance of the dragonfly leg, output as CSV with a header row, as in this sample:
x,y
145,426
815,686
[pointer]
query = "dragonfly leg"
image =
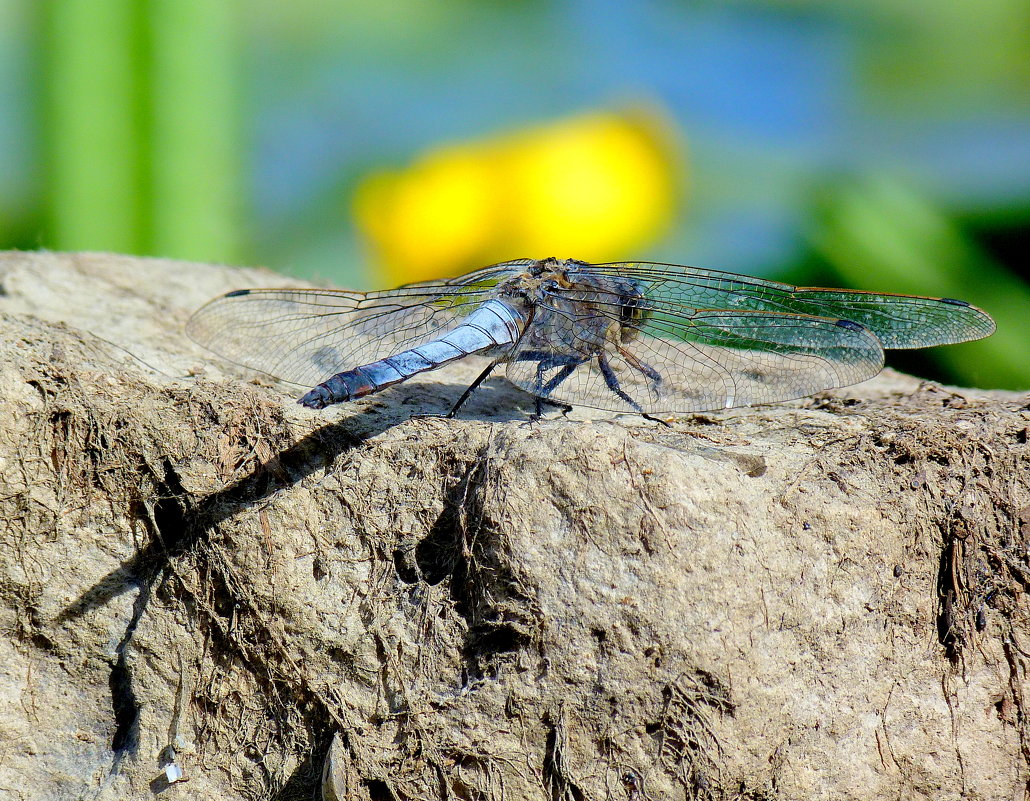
x,y
543,390
613,384
641,366
546,389
564,407
534,355
547,361
471,388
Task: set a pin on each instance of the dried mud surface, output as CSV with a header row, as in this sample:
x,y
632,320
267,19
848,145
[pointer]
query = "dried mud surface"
x,y
822,599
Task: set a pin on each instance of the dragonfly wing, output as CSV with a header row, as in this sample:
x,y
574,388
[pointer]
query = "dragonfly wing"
x,y
675,359
302,336
899,321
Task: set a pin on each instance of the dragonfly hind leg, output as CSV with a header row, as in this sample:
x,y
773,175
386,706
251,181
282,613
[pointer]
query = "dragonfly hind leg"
x,y
464,396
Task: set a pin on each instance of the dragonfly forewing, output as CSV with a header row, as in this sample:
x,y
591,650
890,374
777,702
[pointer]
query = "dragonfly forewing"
x,y
899,321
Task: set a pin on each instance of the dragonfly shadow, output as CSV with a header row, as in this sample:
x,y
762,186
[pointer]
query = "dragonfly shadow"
x,y
177,522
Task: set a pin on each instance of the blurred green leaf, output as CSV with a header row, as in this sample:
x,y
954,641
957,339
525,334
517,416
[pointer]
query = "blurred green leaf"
x,y
92,125
878,234
195,147
142,124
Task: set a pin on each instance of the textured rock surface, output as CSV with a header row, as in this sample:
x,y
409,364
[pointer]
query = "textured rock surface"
x,y
822,599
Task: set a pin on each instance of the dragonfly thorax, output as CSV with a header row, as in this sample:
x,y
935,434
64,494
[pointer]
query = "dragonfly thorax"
x,y
531,288
551,293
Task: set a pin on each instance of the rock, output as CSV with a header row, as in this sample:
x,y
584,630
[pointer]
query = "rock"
x,y
820,599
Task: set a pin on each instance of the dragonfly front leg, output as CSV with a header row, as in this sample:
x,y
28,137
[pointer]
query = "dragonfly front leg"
x,y
613,384
641,366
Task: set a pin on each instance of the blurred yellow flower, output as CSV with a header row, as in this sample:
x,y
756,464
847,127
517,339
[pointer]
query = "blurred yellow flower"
x,y
598,186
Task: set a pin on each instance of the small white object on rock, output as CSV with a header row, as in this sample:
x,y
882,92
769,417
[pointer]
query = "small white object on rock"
x,y
173,773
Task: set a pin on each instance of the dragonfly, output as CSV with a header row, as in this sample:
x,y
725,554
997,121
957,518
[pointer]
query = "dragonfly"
x,y
636,337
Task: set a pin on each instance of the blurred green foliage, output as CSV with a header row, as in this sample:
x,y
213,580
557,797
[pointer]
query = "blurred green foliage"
x,y
878,234
141,122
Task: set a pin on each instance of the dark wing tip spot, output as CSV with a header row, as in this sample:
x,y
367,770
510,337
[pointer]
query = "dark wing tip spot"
x,y
850,325
237,292
954,302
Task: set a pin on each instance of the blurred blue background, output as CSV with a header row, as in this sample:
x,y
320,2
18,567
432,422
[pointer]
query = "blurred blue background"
x,y
882,146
